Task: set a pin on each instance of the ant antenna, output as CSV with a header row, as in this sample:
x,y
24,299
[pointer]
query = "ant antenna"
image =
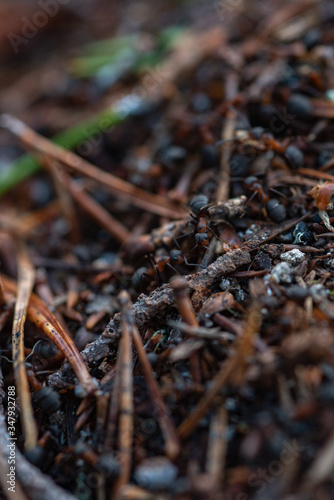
x,y
7,359
33,349
277,192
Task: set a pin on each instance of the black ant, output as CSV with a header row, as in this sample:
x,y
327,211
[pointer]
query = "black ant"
x,y
201,219
253,185
276,211
144,274
46,398
44,349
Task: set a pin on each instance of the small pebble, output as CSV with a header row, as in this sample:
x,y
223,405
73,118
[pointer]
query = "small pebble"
x,y
293,257
318,291
156,473
282,273
225,284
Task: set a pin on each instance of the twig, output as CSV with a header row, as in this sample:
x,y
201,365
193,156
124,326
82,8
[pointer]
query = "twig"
x,y
65,200
114,399
187,313
39,314
227,145
172,445
316,174
125,436
138,197
234,365
26,278
96,211
217,447
321,468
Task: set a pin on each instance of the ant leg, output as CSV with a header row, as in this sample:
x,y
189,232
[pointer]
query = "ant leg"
x,y
215,235
157,275
261,202
173,268
277,192
198,246
187,263
251,198
181,236
151,260
208,255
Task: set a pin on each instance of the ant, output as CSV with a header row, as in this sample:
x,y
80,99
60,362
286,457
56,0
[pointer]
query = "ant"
x,y
176,257
276,211
46,398
201,219
253,185
261,140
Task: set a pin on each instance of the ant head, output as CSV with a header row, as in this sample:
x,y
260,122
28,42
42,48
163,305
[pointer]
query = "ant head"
x,y
175,255
198,202
45,349
201,238
138,278
249,181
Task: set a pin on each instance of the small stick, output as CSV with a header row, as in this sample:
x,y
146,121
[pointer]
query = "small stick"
x,y
39,314
114,398
191,422
217,447
94,318
198,332
30,221
26,278
73,286
137,196
96,211
316,174
179,286
44,292
65,344
65,200
180,192
172,445
2,294
235,365
227,145
125,436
